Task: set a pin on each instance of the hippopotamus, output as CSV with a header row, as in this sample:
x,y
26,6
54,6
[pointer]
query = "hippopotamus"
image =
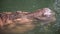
x,y
21,21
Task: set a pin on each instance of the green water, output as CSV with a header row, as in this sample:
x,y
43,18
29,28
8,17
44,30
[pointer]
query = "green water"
x,y
32,5
25,5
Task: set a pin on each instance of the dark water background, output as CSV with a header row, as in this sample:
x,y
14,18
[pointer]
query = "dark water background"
x,y
26,5
32,5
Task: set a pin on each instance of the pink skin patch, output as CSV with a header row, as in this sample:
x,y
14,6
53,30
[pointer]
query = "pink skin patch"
x,y
47,12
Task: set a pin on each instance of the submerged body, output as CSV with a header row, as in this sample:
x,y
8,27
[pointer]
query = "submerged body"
x,y
24,21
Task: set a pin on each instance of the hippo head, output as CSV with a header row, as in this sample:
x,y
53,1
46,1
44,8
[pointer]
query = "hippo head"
x,y
45,14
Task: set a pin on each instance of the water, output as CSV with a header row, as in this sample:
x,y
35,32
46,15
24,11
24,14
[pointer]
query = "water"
x,y
57,10
25,5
